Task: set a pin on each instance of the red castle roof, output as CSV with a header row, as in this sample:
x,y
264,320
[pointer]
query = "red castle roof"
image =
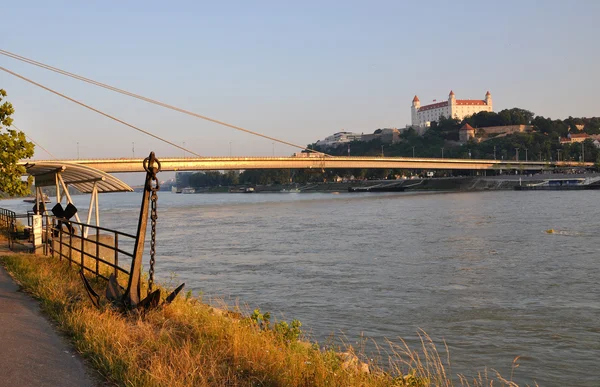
x,y
433,106
416,99
466,127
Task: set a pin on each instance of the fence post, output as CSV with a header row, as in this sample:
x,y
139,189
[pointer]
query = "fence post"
x,y
60,247
97,251
116,255
82,254
70,248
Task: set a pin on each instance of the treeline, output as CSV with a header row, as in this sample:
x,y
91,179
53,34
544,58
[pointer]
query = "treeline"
x,y
254,177
441,139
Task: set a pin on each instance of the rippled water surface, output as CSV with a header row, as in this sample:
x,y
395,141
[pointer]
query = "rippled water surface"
x,y
476,269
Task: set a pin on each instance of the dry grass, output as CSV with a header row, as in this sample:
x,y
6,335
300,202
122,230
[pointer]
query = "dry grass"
x,y
188,343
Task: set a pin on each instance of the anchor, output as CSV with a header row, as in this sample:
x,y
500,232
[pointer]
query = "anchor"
x,y
131,298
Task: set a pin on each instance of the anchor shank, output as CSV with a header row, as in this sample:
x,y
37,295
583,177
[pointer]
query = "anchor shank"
x,y
133,292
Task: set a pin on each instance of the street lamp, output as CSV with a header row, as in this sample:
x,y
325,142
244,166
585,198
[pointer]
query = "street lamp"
x,y
442,152
273,148
229,148
184,149
382,151
525,154
516,154
413,151
494,152
133,150
558,158
77,150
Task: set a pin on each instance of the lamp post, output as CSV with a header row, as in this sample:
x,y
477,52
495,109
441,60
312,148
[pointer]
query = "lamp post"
x,y
516,154
525,154
413,152
494,152
229,148
558,155
133,150
582,153
184,149
442,152
273,148
382,151
77,150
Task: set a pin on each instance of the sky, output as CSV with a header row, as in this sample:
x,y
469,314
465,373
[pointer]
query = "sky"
x,y
298,71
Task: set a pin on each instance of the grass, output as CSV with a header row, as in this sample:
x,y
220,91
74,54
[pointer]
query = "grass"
x,y
189,343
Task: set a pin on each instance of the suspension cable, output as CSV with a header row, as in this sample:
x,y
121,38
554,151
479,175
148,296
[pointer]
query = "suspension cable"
x,y
155,102
33,141
98,111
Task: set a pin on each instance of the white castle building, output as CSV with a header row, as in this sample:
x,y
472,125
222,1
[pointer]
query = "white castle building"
x,y
455,108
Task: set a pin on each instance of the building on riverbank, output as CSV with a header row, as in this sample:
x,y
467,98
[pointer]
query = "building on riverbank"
x,y
422,116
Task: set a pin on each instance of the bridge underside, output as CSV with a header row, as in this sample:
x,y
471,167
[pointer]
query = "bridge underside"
x,y
238,163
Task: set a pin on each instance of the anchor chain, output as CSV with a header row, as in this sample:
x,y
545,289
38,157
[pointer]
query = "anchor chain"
x,y
153,216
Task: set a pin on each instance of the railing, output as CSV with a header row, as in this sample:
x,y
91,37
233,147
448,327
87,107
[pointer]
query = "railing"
x,y
12,230
8,225
97,250
98,253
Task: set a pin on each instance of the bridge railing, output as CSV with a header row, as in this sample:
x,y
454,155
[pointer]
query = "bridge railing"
x,y
100,252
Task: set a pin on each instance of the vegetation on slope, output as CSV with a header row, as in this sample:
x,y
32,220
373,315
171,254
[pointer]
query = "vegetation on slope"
x,y
189,343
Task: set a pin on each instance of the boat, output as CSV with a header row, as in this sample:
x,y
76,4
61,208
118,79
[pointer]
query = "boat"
x,y
377,189
291,190
241,190
32,199
188,190
573,184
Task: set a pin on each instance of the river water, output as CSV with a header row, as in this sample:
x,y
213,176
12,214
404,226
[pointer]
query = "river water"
x,y
477,270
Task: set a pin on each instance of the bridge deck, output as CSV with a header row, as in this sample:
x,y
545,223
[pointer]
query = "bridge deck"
x,y
234,163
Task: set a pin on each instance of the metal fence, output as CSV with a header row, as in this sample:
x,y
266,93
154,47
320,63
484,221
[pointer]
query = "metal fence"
x,y
8,223
16,232
97,250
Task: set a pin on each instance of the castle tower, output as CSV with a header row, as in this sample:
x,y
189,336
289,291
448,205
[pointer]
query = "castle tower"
x,y
416,104
451,104
488,100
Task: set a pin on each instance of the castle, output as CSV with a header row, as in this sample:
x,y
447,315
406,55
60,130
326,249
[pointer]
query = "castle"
x,y
455,108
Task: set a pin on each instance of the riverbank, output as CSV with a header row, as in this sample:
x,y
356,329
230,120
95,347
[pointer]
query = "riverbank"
x,y
189,343
447,184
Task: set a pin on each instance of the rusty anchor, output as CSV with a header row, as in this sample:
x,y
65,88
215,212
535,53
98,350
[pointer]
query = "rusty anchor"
x,y
131,298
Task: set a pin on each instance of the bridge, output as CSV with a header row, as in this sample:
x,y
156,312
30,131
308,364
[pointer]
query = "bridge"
x,y
314,160
121,165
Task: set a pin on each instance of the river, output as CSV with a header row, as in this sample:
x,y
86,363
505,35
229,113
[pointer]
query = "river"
x,y
477,270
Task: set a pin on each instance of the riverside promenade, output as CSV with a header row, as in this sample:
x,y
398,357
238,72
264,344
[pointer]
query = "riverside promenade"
x,y
32,353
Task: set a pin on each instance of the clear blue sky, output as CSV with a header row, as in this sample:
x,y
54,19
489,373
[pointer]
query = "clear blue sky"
x,y
295,70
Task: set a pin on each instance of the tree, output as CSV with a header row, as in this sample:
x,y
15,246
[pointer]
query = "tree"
x,y
13,147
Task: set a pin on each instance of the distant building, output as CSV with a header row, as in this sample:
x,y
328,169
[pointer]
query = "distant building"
x,y
467,132
386,136
338,139
578,137
422,116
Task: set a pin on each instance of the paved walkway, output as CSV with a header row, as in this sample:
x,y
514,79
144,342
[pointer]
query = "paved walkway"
x,y
31,352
